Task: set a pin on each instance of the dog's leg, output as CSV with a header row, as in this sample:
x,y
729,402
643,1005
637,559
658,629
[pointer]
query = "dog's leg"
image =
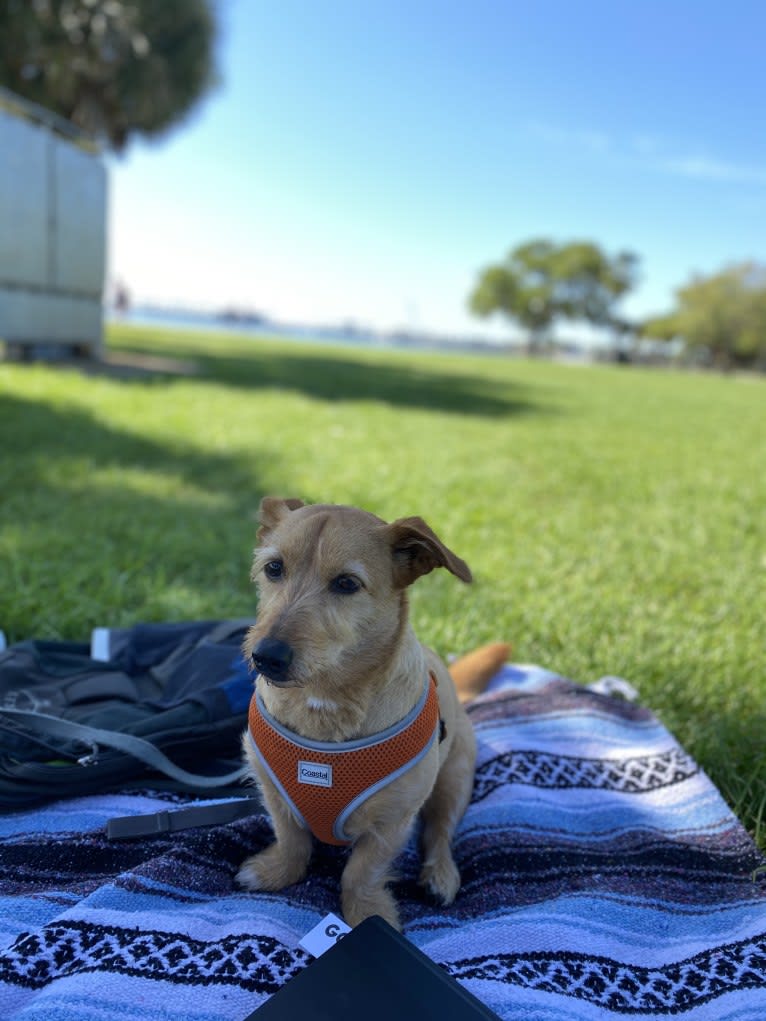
x,y
363,884
443,811
286,860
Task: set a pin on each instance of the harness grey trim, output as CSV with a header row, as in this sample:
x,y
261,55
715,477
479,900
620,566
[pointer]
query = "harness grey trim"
x,y
339,825
336,747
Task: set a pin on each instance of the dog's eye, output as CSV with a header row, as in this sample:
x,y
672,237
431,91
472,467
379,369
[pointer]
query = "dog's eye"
x,y
274,569
345,585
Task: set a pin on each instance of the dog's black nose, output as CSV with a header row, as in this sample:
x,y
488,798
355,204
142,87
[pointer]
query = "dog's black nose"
x,y
272,658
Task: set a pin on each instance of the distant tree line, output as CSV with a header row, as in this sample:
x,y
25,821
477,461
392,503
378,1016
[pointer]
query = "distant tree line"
x,y
719,320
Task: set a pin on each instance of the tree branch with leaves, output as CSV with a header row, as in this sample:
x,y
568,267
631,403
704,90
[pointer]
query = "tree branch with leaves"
x,y
720,318
113,68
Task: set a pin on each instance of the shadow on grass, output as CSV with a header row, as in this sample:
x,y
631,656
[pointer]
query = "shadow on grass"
x,y
44,435
331,377
94,518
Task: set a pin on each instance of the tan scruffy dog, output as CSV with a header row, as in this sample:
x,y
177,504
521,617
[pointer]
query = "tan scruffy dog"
x,y
355,727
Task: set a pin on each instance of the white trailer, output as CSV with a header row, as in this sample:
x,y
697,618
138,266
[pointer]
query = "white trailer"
x,y
52,233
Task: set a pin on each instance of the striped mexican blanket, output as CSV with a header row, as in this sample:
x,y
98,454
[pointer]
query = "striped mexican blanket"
x,y
603,878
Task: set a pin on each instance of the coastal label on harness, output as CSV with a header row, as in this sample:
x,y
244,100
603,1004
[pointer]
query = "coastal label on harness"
x,y
315,773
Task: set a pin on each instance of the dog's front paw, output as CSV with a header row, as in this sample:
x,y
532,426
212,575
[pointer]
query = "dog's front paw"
x,y
358,905
271,870
440,879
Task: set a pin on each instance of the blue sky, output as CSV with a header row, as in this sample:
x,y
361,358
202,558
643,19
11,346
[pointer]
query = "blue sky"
x,y
363,160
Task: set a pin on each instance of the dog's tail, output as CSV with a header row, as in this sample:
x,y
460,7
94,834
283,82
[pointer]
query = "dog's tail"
x,y
473,672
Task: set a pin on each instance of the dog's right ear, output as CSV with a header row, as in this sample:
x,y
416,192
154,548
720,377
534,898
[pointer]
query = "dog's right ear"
x,y
273,510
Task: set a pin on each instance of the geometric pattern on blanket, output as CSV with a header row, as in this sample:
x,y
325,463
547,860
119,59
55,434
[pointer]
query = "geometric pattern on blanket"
x,y
68,947
542,769
619,987
603,877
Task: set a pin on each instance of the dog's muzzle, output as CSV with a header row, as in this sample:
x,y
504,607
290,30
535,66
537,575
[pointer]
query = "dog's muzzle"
x,y
272,658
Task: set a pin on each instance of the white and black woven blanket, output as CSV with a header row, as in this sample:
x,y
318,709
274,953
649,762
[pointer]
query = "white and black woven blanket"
x,y
604,877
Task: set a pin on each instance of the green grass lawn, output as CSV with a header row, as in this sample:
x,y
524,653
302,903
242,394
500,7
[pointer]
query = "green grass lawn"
x,y
615,519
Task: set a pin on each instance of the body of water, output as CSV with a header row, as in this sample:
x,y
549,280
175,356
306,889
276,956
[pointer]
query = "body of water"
x,y
181,319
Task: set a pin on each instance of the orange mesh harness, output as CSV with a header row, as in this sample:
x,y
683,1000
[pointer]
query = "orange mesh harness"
x,y
323,782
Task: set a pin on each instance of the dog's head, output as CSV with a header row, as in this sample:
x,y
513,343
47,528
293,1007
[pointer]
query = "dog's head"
x,y
332,583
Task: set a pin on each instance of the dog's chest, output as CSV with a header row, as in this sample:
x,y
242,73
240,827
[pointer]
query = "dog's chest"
x,y
322,781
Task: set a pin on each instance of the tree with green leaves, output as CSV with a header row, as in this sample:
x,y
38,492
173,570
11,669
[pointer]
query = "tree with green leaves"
x,y
113,68
720,318
540,283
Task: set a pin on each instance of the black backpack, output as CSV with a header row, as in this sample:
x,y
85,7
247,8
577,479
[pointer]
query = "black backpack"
x,y
156,701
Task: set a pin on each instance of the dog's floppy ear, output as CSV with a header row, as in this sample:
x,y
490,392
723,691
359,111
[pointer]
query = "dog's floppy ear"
x,y
272,510
416,550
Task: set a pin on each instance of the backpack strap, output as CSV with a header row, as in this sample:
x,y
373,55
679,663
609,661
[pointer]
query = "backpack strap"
x,y
93,737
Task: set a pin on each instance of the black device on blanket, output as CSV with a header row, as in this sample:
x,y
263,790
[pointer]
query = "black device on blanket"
x,y
375,974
